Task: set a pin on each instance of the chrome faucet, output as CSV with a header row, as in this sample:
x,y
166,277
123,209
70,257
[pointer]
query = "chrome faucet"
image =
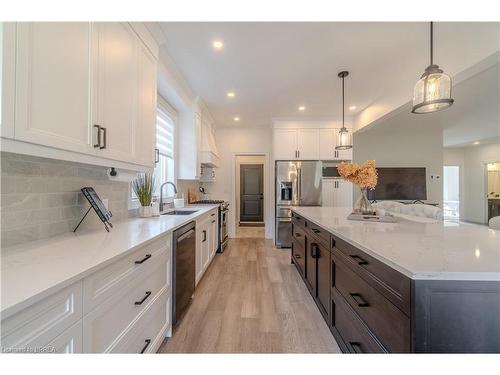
x,y
161,192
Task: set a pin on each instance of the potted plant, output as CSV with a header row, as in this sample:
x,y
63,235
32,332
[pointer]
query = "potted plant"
x,y
365,177
143,187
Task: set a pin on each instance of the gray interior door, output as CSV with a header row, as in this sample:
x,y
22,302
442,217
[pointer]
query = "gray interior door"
x,y
251,192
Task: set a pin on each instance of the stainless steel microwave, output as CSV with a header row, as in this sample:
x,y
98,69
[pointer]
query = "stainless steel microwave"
x,y
330,170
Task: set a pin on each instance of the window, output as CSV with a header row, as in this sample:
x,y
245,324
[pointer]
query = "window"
x,y
165,143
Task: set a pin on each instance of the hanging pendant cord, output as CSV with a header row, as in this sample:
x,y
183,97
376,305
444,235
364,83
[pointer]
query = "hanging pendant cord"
x,y
432,42
343,126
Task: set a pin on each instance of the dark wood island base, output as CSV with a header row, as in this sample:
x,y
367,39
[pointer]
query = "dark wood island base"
x,y
372,308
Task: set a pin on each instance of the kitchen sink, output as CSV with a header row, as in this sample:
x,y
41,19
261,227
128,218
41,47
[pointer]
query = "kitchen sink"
x,y
180,212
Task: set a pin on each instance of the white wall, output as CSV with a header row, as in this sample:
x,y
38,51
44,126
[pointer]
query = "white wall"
x,y
404,147
241,141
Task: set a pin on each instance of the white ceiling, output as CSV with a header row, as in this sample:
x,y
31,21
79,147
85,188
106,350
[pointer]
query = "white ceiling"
x,y
475,115
275,67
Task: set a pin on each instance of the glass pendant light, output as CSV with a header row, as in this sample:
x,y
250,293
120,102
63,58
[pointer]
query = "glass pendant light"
x,y
344,136
433,91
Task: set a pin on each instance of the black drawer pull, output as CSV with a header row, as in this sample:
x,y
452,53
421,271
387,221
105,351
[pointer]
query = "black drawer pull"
x,y
314,251
148,293
143,259
358,259
147,341
358,298
298,235
356,347
316,230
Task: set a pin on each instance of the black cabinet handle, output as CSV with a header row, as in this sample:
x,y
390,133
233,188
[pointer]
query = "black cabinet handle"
x,y
358,259
298,235
314,251
316,230
143,259
157,155
333,242
148,293
147,341
213,221
358,298
98,144
103,138
204,235
356,347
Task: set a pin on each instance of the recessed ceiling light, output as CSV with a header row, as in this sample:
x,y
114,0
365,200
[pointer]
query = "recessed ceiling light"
x,y
217,44
302,108
476,143
231,94
236,119
352,108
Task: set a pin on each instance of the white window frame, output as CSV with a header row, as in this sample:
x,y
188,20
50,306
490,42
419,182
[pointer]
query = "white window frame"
x,y
173,115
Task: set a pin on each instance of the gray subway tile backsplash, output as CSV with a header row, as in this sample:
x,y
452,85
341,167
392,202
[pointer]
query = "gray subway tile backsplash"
x,y
41,197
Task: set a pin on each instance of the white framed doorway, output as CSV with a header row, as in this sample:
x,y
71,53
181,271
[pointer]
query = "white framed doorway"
x,y
260,229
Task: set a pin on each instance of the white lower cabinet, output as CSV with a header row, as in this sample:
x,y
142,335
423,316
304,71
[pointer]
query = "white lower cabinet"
x,y
336,193
206,242
32,329
124,307
70,341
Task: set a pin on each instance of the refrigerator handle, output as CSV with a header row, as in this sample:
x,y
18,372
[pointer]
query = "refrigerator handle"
x,y
299,185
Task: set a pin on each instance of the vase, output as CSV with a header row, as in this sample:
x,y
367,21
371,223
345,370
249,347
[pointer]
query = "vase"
x,y
145,211
363,205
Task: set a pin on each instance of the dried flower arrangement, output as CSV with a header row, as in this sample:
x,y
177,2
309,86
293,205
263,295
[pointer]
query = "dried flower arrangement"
x,y
364,175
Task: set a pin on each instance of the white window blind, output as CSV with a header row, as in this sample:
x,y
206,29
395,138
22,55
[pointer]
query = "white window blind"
x,y
165,143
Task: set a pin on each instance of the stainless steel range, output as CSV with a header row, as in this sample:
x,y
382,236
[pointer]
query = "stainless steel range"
x,y
223,216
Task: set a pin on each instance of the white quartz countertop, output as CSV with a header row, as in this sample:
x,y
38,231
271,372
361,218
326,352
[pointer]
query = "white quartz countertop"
x,y
421,251
36,269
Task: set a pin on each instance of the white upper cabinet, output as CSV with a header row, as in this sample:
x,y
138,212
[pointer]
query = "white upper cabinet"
x,y
53,84
145,134
88,88
308,144
327,143
285,144
7,78
115,97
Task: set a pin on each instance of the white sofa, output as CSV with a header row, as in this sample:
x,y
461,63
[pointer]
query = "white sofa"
x,y
419,210
494,222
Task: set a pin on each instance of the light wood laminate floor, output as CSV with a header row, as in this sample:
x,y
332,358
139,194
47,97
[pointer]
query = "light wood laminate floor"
x,y
251,300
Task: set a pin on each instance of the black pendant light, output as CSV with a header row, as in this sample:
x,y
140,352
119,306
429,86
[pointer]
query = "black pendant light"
x,y
344,136
433,91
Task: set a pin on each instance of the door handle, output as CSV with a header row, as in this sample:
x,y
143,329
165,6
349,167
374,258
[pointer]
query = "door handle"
x,y
314,251
358,298
157,155
147,341
103,138
148,293
359,260
143,259
98,144
356,347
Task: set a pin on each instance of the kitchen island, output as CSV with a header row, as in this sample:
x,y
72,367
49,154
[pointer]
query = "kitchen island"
x,y
408,286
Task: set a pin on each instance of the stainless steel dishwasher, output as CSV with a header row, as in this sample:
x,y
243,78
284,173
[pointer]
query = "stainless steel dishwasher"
x,y
184,263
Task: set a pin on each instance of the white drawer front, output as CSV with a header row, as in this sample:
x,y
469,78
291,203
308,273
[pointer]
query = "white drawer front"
x,y
104,284
103,325
39,324
148,332
70,341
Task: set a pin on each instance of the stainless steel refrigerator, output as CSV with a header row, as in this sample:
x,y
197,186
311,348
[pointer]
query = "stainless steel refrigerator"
x,y
298,183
